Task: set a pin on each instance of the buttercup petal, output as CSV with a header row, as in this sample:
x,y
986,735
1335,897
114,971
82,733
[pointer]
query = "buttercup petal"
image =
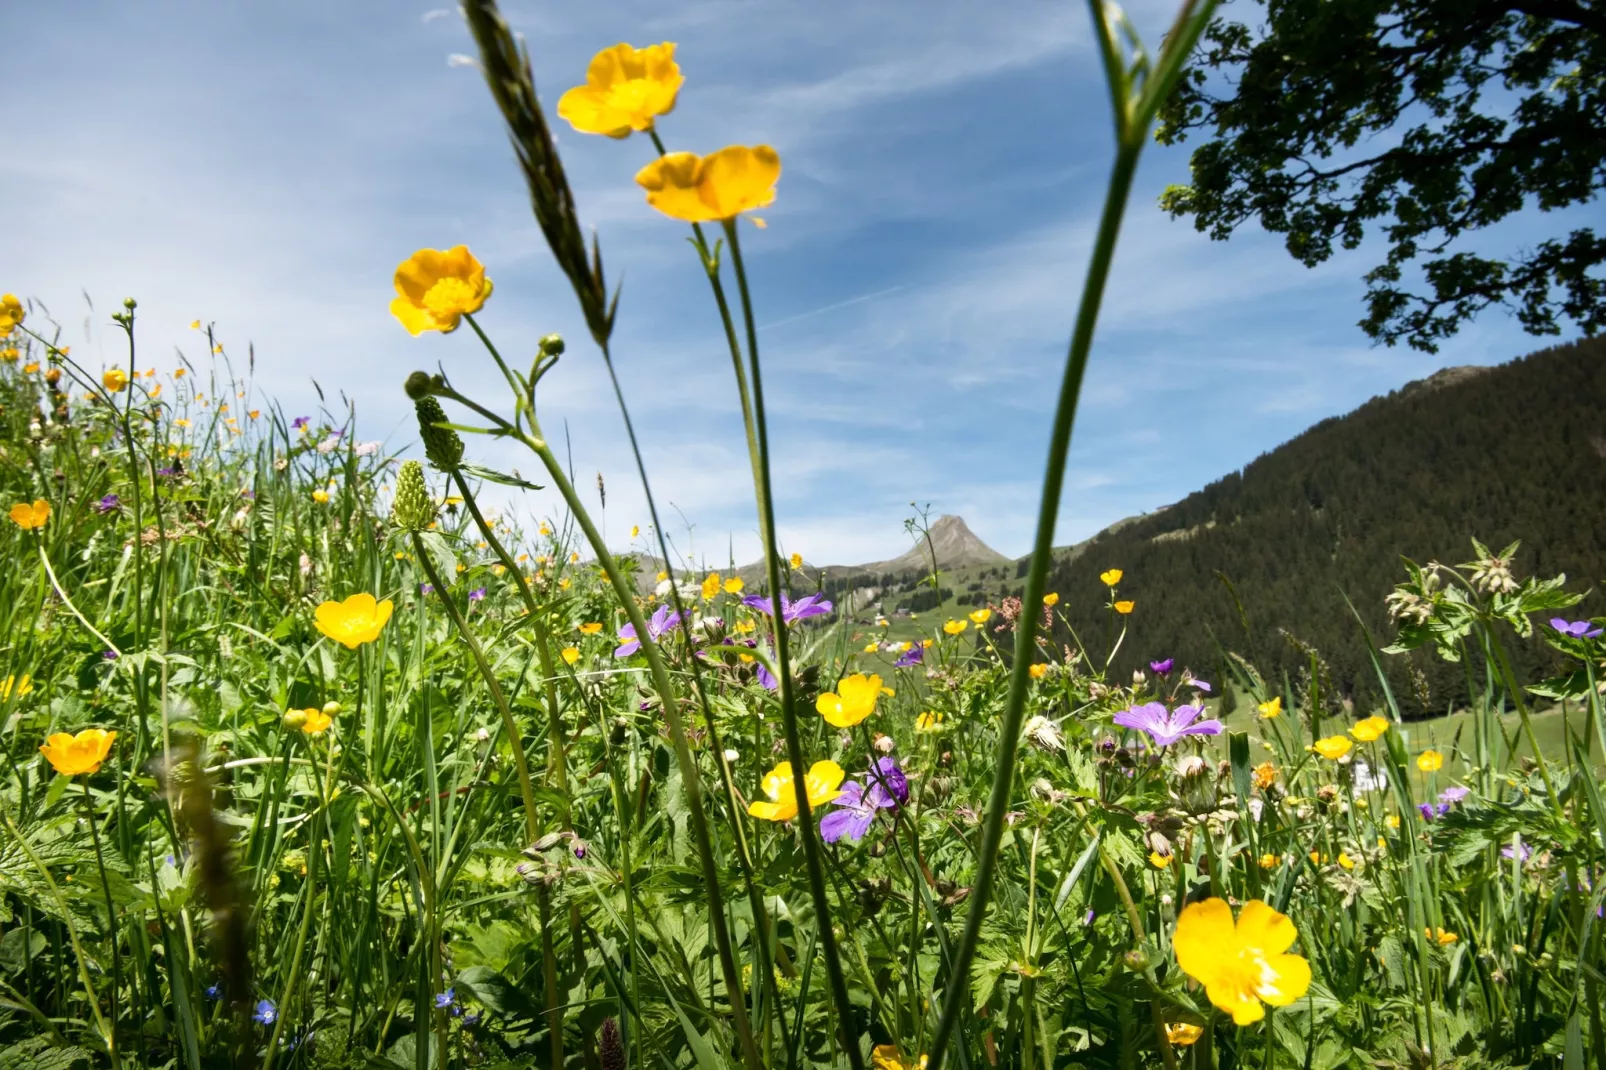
x,y
1204,937
1264,929
1284,979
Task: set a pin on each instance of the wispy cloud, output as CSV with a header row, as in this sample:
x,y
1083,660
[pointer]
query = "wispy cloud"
x,y
267,167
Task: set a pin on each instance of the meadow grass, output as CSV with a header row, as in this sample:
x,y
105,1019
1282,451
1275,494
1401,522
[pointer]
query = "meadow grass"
x,y
313,759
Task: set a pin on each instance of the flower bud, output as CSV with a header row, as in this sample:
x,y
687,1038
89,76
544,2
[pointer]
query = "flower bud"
x,y
413,509
331,708
552,345
441,444
417,385
1136,959
294,719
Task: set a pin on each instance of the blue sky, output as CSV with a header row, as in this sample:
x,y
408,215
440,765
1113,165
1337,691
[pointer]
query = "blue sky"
x,y
265,167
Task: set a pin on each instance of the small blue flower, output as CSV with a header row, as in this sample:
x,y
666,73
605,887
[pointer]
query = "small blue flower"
x,y
214,991
445,999
266,1013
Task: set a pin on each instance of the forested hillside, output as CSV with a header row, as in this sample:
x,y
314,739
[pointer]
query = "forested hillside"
x,y
1512,452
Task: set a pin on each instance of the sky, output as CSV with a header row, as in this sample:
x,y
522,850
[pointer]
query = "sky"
x,y
265,167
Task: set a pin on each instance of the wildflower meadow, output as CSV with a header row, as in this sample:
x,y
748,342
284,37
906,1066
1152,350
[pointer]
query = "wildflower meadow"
x,y
317,755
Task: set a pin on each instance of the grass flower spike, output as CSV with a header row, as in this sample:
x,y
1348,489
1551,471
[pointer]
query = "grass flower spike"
x,y
71,755
357,620
703,189
820,782
626,89
1241,965
853,701
30,517
436,289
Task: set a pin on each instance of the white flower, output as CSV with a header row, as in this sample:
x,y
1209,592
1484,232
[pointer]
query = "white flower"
x,y
730,755
1365,780
1255,808
1044,734
367,449
328,445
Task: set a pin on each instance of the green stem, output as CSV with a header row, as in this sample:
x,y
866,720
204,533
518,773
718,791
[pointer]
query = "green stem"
x,y
671,707
957,995
532,821
66,601
111,914
807,832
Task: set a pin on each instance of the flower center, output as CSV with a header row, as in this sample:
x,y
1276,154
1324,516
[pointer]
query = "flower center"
x,y
449,298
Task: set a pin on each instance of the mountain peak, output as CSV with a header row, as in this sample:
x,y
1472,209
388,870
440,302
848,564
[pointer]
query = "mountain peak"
x,y
953,544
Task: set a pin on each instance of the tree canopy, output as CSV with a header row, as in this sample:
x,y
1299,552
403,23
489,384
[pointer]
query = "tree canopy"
x,y
1426,121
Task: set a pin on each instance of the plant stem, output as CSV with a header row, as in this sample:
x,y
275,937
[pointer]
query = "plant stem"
x,y
111,914
1120,186
532,821
807,832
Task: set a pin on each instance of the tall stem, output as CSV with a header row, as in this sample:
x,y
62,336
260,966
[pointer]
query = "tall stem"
x,y
1120,187
532,821
765,492
111,917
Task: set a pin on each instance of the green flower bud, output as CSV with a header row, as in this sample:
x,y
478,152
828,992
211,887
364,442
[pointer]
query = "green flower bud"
x,y
413,509
552,345
417,385
441,444
1136,959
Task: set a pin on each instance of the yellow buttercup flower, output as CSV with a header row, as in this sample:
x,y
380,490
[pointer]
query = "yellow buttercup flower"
x,y
930,721
10,353
1369,729
871,648
320,496
1038,671
796,561
980,616
1111,577
590,627
1345,861
437,289
1265,775
820,784
571,654
30,367
626,89
71,755
1270,861
1241,965
11,314
1158,860
1392,821
888,1057
1271,709
710,586
31,517
1430,761
1125,606
316,721
734,585
635,530
853,700
721,185
1182,1034
22,687
1442,936
195,325
1051,599
954,627
357,620
181,422
1332,747
115,380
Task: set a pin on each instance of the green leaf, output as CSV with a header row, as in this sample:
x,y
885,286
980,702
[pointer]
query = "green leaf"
x,y
491,475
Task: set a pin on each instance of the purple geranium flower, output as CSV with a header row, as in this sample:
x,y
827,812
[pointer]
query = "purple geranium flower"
x,y
1433,810
1200,684
814,605
913,656
1454,794
109,504
1168,726
477,594
663,619
766,677
856,808
1517,850
1162,667
1577,629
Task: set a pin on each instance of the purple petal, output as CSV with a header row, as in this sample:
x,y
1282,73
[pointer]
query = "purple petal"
x,y
889,787
849,823
1211,727
1161,667
1183,716
767,678
1147,717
